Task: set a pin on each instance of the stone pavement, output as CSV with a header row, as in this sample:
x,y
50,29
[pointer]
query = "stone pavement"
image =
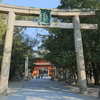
x,y
45,89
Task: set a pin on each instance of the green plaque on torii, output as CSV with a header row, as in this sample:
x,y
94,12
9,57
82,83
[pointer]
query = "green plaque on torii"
x,y
45,16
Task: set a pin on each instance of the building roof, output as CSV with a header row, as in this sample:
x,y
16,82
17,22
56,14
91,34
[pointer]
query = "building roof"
x,y
40,61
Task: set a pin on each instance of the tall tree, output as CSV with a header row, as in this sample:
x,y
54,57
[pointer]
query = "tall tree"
x,y
23,46
90,39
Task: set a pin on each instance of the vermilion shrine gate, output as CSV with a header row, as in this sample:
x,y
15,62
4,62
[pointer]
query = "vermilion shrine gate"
x,y
43,67
12,11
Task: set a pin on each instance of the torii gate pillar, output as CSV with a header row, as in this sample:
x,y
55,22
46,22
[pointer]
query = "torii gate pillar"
x,y
7,53
79,55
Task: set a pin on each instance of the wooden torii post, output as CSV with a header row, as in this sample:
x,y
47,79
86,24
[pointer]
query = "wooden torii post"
x,y
12,10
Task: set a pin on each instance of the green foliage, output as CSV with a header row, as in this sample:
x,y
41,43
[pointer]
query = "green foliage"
x,y
79,4
61,51
22,44
91,41
3,28
22,47
60,43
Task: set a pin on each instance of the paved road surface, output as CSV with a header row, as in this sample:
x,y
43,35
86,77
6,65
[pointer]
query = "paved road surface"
x,y
44,89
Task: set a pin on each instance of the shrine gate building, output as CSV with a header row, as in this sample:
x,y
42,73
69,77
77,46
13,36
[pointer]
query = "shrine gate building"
x,y
43,67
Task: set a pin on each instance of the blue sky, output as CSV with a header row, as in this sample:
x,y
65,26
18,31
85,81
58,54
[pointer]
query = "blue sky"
x,y
34,3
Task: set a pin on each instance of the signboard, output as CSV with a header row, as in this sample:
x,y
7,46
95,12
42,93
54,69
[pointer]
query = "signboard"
x,y
45,16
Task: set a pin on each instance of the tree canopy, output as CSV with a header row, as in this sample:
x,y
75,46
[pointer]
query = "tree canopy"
x,y
23,45
60,42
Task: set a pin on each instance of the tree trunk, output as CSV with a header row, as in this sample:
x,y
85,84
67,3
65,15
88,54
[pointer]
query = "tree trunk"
x,y
96,74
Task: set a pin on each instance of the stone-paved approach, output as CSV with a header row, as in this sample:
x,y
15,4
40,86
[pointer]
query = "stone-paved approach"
x,y
44,89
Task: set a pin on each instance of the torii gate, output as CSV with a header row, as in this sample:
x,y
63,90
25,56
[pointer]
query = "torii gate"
x,y
12,10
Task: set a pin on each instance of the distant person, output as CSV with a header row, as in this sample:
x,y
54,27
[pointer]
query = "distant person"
x,y
41,75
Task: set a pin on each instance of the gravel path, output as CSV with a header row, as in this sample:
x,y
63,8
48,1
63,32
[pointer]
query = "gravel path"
x,y
45,89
